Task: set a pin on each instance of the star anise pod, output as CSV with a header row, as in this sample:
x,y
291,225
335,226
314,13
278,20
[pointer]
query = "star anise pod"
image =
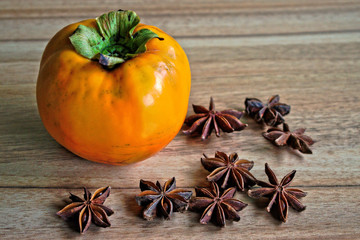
x,y
162,201
230,170
279,194
205,120
91,209
296,139
271,113
217,207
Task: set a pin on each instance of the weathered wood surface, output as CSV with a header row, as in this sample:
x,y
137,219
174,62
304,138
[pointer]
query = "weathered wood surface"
x,y
306,51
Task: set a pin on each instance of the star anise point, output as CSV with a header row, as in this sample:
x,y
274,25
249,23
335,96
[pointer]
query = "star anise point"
x,y
271,113
162,200
217,207
229,170
296,139
279,194
204,121
90,209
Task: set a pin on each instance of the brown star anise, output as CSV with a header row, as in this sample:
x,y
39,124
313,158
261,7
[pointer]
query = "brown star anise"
x,y
296,139
217,208
89,210
205,120
162,201
271,112
230,170
279,193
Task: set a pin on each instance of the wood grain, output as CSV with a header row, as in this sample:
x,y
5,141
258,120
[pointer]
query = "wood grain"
x,y
66,8
233,19
126,222
306,51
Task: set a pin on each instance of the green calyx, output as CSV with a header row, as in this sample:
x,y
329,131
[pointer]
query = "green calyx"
x,y
114,41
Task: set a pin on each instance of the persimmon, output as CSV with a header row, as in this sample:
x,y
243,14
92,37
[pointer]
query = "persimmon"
x,y
113,90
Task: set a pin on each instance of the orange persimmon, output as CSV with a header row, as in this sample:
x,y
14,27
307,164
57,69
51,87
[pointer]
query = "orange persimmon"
x,y
113,90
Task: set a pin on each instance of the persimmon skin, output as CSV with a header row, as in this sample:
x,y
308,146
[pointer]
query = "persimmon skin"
x,y
118,116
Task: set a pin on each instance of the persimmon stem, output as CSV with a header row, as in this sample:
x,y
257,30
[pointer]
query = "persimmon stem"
x,y
114,40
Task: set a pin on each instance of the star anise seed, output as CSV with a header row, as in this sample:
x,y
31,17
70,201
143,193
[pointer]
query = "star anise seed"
x,y
279,194
162,201
296,139
229,170
205,120
91,209
216,207
271,113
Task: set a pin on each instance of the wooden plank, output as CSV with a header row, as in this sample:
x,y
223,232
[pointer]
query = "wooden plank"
x,y
35,160
220,57
69,8
26,72
306,75
331,213
334,45
24,139
345,18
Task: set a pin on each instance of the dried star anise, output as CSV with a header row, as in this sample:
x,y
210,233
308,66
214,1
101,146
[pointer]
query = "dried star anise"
x,y
230,170
279,193
296,139
89,210
217,207
271,112
162,201
205,120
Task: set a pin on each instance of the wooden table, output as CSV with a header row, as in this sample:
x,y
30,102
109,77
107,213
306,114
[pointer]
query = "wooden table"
x,y
306,51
